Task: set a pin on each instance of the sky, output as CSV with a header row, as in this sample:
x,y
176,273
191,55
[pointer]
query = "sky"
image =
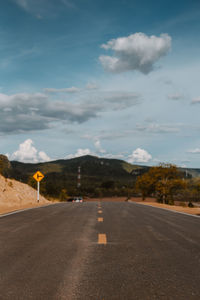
x,y
116,79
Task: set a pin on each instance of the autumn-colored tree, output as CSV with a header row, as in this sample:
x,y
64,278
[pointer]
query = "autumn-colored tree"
x,y
145,184
164,181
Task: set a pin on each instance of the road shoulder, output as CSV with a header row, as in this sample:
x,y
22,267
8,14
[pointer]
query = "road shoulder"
x,y
177,209
15,210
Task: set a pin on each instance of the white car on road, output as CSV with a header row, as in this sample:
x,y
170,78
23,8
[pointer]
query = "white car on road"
x,y
78,199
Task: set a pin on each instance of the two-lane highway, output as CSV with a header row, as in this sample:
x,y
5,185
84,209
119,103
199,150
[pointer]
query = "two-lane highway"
x,y
110,251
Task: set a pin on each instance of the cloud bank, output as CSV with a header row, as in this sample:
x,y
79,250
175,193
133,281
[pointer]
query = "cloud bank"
x,y
135,52
27,112
73,89
27,153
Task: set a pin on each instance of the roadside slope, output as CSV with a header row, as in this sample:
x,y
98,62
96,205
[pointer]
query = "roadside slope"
x,y
16,195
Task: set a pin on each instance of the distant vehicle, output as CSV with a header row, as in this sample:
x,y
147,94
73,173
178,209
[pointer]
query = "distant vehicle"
x,y
77,199
70,199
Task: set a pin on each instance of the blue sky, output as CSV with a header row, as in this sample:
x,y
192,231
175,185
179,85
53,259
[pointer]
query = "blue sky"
x,y
109,78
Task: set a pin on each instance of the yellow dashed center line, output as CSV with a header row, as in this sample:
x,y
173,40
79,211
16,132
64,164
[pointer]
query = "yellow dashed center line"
x,y
102,239
100,211
100,219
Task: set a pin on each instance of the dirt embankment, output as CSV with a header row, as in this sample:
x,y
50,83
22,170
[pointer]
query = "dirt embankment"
x,y
15,195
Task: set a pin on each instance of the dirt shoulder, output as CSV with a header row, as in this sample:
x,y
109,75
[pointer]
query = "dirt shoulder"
x,y
188,210
6,209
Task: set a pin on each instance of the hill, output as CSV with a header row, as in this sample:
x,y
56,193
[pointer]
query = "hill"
x,y
98,175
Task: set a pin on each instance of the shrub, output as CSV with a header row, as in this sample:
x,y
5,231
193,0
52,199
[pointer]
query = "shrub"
x,y
10,184
63,195
171,202
183,204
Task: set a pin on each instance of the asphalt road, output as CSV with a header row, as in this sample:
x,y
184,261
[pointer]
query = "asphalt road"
x,y
112,251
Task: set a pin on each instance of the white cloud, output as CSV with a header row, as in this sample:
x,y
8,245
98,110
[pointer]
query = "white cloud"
x,y
140,156
8,155
135,52
23,3
194,151
157,128
114,156
183,166
176,96
38,8
91,86
43,156
101,153
72,89
98,146
68,3
28,153
80,152
196,100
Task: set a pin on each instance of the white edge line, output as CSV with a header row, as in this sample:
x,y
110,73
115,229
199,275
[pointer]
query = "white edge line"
x,y
22,210
174,211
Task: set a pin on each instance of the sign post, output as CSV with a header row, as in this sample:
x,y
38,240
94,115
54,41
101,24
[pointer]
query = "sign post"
x,y
38,191
38,176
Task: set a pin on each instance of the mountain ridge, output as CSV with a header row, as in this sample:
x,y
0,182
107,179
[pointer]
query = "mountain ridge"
x,y
98,175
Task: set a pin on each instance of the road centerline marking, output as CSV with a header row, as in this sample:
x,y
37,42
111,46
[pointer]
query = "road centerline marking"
x,y
100,219
102,239
100,211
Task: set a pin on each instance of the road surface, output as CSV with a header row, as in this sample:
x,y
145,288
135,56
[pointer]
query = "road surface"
x,y
107,251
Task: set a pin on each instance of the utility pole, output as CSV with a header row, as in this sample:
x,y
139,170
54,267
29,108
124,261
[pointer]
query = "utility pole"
x,y
79,178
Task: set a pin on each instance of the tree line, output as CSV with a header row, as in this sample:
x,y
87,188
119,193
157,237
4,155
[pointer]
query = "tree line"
x,y
165,182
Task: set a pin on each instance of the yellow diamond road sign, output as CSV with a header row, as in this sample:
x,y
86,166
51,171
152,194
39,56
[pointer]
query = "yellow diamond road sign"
x,y
38,176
